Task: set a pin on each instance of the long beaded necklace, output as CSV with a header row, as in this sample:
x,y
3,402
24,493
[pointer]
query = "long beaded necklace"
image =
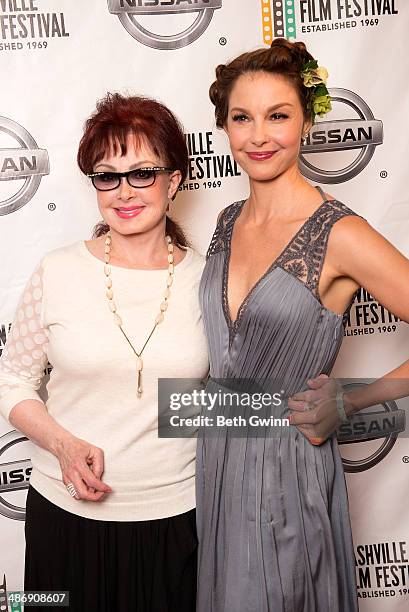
x,y
117,318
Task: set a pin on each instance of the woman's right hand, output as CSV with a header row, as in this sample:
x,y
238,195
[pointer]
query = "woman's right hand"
x,y
82,464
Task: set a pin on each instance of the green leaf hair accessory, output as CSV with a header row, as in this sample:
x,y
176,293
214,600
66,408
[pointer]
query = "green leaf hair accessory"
x,y
315,78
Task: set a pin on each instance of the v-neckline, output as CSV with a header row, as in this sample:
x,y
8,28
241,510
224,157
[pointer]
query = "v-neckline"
x,y
234,324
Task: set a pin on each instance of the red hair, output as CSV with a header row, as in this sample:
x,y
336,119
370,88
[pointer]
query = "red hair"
x,y
114,119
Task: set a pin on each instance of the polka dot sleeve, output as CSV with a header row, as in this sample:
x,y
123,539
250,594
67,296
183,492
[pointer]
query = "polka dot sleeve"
x,y
24,356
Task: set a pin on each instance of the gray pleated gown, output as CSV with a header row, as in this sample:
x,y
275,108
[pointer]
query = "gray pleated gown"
x,y
272,512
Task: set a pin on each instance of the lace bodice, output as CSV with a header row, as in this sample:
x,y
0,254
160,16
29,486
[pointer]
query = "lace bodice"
x,y
303,257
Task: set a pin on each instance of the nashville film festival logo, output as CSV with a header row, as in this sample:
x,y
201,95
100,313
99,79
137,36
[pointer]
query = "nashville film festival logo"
x,y
26,162
128,12
360,134
281,18
207,168
24,25
368,317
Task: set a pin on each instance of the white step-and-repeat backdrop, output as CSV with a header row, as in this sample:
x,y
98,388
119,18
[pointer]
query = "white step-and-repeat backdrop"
x,y
58,56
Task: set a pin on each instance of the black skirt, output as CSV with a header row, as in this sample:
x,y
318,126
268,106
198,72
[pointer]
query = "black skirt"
x,y
107,566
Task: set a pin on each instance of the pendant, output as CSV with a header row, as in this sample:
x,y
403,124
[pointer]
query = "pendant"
x,y
139,385
118,320
139,367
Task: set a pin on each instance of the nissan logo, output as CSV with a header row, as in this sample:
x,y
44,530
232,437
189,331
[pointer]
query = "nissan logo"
x,y
361,133
129,10
14,476
24,162
384,425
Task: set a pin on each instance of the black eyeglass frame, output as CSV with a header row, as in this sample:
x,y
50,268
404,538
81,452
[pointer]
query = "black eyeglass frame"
x,y
120,175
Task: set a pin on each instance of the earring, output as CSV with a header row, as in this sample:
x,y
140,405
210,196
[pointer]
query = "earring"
x,y
304,139
168,206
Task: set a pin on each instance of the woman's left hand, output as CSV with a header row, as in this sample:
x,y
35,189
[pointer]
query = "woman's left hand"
x,y
315,411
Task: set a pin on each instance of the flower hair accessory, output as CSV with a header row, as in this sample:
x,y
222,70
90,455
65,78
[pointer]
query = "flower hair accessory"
x,y
315,77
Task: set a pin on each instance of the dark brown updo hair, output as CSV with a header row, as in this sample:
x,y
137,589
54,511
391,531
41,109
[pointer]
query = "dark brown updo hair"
x,y
115,117
283,57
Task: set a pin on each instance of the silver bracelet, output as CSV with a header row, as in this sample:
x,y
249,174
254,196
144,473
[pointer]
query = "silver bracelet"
x,y
341,405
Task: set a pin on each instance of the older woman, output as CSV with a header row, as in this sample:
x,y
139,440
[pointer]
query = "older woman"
x,y
110,507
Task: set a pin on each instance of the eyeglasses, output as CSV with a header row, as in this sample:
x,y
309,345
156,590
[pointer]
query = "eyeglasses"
x,y
139,178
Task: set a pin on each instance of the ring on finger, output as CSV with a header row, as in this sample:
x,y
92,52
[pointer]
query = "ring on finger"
x,y
71,489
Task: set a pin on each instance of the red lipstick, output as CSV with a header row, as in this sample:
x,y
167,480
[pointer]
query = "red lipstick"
x,y
129,213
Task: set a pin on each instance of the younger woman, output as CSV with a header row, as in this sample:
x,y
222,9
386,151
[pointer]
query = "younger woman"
x,y
281,273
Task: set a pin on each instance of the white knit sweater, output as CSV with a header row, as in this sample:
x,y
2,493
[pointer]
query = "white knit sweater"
x,y
64,318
